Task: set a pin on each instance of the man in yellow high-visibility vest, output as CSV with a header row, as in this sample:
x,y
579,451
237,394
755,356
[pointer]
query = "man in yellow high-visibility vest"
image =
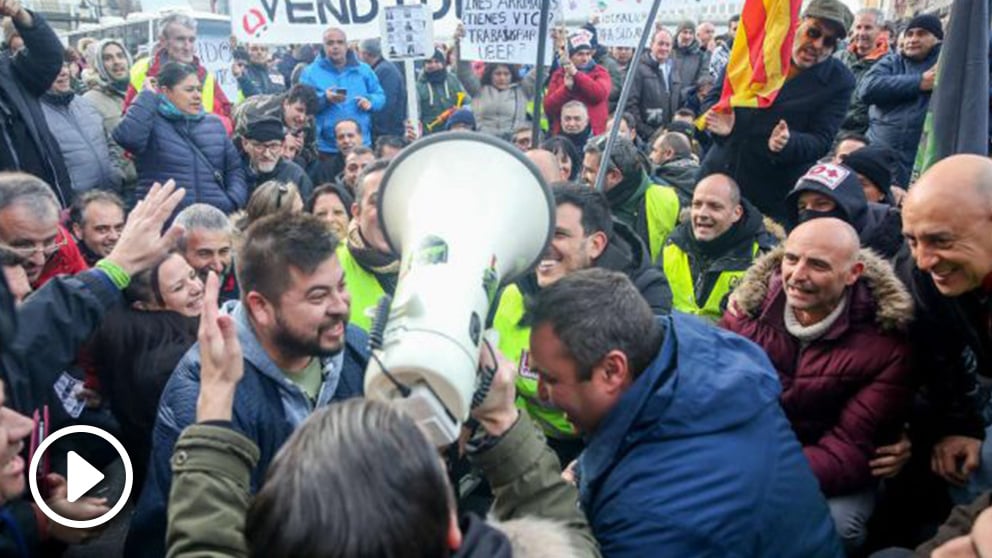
x,y
177,43
650,209
370,267
586,236
705,257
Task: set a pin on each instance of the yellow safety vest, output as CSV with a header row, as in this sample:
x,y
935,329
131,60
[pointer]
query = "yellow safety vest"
x,y
514,342
679,274
140,70
544,116
661,207
363,287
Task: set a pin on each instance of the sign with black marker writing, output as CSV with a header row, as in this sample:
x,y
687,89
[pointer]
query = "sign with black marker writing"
x,y
506,30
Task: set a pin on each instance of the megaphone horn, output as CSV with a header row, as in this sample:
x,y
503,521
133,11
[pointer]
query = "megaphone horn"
x,y
467,213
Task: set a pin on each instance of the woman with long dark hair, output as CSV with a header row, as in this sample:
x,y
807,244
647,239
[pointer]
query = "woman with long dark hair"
x,y
137,347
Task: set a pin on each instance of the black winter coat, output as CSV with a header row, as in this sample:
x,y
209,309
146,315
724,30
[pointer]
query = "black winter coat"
x,y
813,104
24,78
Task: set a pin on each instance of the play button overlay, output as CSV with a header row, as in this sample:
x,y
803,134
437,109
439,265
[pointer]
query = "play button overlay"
x,y
81,477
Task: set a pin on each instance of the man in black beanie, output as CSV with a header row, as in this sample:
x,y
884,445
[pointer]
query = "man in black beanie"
x,y
262,157
897,90
873,165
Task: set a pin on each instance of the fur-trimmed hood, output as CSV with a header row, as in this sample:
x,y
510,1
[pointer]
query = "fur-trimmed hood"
x,y
893,305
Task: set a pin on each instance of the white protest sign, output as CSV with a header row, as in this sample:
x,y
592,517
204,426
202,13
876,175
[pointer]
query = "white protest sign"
x,y
621,23
304,21
214,50
506,30
408,32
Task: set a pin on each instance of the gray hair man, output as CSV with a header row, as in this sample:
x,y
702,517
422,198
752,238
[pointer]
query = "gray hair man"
x,y
29,225
207,244
867,47
177,43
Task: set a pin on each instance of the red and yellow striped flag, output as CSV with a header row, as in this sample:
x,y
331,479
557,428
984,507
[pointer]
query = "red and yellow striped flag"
x,y
762,54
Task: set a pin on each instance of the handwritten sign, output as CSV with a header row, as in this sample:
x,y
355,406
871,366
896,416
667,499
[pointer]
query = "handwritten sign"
x,y
620,23
213,48
506,30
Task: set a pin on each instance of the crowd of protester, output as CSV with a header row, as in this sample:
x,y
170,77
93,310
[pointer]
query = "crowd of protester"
x,y
757,337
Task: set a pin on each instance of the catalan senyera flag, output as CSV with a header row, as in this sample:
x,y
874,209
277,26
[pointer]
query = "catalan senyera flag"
x,y
762,53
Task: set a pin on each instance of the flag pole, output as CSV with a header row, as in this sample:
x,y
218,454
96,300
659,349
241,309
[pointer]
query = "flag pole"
x,y
604,157
542,45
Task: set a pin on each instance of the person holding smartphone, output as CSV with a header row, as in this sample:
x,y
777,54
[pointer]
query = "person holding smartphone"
x,y
346,89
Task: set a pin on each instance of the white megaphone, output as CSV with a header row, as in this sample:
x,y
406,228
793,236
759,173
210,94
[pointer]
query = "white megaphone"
x,y
467,213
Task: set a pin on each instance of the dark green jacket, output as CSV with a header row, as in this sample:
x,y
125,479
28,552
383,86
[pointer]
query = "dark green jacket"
x,y
212,466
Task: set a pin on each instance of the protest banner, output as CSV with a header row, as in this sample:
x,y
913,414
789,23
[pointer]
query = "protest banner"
x,y
278,22
620,23
505,30
213,47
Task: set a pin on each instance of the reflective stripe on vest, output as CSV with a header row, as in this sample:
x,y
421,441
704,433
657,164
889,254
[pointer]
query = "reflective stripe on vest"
x,y
679,274
661,208
514,341
140,70
363,287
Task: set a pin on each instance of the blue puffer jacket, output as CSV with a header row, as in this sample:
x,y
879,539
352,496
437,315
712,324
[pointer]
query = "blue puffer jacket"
x,y
267,408
897,107
698,459
359,80
162,150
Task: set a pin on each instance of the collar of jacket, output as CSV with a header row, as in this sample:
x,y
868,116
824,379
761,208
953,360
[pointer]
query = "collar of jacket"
x,y
878,295
255,354
821,71
619,252
987,285
880,50
59,99
930,59
741,234
625,196
258,177
692,48
162,57
613,431
481,539
350,61
648,60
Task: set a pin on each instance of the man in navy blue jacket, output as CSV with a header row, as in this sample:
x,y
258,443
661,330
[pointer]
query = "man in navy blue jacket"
x,y
300,353
388,121
688,450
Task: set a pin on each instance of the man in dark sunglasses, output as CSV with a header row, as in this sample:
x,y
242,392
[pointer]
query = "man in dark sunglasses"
x,y
767,150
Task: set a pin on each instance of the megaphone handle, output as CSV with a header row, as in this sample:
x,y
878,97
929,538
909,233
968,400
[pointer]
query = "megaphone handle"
x,y
486,375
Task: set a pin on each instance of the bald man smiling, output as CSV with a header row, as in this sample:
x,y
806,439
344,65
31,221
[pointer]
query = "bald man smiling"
x,y
947,221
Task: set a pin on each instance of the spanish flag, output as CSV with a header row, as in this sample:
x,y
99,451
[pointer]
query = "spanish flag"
x,y
762,53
